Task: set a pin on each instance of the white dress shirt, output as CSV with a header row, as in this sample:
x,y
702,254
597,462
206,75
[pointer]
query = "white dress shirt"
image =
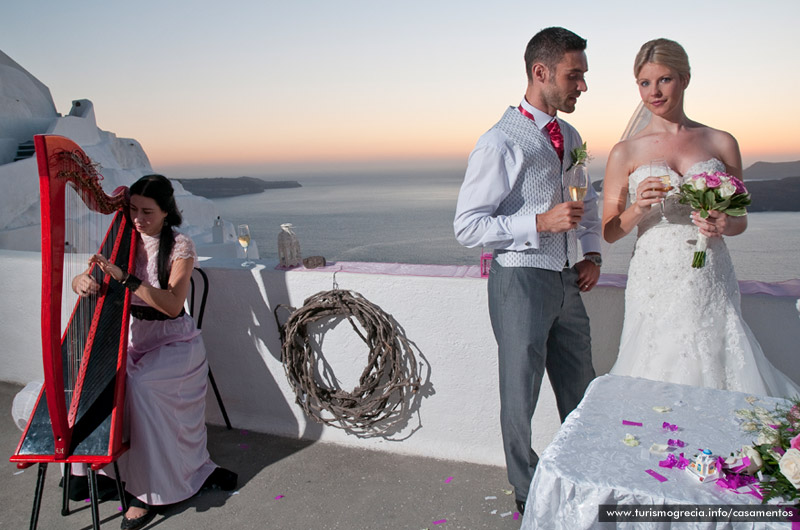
x,y
493,168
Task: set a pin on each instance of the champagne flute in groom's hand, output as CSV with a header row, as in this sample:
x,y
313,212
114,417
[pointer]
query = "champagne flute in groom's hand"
x,y
576,180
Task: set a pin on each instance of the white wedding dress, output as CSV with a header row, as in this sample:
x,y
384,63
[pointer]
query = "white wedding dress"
x,y
684,325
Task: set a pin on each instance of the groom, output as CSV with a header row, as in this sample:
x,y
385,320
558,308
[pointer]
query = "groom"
x,y
513,201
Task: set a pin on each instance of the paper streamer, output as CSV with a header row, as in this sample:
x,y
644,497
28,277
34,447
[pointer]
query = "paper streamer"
x,y
660,478
633,423
741,467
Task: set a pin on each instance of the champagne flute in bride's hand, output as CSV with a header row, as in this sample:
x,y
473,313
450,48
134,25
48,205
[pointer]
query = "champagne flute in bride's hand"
x,y
660,169
244,240
576,180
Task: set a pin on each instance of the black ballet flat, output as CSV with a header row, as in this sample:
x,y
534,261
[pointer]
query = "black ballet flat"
x,y
223,479
138,522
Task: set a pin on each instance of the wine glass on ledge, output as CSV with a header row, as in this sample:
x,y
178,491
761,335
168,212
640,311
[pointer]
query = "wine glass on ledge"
x,y
243,232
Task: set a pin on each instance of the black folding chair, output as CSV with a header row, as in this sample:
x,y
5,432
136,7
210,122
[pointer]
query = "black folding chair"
x,y
198,317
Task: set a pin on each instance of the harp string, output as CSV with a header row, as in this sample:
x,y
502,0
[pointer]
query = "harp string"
x,y
84,231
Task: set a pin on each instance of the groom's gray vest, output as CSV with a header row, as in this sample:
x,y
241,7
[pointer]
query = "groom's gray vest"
x,y
537,189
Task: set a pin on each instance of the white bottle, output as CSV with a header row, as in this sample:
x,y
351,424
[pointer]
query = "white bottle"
x,y
216,231
288,248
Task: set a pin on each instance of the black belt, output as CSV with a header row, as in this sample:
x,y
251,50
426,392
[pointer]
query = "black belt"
x,y
145,312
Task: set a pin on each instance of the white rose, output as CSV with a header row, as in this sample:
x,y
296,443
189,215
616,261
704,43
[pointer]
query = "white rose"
x,y
726,189
755,459
790,466
699,184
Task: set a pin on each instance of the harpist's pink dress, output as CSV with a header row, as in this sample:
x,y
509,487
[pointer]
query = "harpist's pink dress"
x,y
165,403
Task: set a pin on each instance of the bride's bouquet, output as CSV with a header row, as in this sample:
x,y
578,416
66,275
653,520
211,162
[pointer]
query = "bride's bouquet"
x,y
713,191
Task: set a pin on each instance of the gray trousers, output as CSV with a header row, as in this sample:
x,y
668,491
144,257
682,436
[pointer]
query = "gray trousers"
x,y
539,322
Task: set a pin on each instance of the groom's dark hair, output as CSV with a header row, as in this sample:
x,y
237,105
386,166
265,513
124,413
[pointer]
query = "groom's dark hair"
x,y
549,46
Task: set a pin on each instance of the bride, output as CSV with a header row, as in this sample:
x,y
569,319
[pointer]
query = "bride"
x,y
682,325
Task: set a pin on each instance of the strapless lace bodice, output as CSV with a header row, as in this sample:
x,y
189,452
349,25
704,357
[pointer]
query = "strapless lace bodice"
x,y
674,211
684,325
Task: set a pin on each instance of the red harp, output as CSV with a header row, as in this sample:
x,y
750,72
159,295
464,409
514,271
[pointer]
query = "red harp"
x,y
78,415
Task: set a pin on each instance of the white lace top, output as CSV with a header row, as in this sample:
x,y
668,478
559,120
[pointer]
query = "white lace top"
x,y
147,257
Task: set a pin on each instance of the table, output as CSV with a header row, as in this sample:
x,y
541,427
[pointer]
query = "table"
x,y
587,464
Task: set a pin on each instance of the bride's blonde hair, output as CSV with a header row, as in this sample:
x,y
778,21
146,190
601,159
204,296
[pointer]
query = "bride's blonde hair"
x,y
664,52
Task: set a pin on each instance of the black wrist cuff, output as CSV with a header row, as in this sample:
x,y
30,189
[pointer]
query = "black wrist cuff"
x,y
131,282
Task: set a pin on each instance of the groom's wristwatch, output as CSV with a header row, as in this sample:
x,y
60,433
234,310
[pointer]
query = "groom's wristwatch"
x,y
597,259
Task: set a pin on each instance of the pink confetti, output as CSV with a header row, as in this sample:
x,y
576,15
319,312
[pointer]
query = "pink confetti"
x,y
660,478
244,446
733,481
634,423
744,465
448,480
516,516
119,508
440,521
279,497
669,426
672,461
795,517
676,443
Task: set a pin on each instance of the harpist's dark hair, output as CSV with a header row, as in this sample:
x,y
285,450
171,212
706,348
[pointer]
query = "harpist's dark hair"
x,y
159,188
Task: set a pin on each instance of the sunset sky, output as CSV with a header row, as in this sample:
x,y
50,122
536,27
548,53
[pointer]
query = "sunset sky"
x,y
268,87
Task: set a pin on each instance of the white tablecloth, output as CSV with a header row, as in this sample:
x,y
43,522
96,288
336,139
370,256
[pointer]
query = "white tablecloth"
x,y
587,464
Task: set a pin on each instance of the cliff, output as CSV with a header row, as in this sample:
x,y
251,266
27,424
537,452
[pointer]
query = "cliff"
x,y
772,170
781,195
214,188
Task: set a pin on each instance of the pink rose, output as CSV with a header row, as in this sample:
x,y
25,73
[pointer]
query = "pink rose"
x,y
795,443
738,184
713,181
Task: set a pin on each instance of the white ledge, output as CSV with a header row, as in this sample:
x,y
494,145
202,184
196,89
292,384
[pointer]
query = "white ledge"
x,y
443,311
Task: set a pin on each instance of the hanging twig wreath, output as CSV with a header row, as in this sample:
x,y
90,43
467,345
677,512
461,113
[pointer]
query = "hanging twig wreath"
x,y
390,373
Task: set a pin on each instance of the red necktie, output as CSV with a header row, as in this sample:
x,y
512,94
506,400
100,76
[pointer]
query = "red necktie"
x,y
556,138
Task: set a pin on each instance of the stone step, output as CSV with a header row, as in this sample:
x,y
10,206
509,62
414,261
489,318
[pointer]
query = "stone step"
x,y
25,150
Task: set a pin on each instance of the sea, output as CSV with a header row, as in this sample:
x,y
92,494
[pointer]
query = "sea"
x,y
407,217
